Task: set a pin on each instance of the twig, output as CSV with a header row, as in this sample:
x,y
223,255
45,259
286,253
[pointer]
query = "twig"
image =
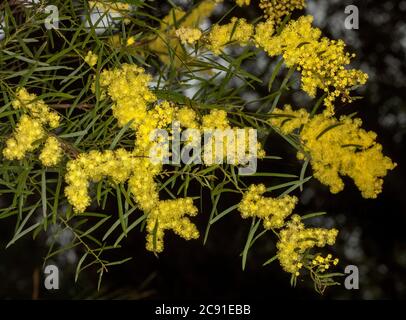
x,y
82,106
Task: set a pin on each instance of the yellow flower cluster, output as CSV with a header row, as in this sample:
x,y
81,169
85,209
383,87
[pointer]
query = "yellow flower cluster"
x,y
216,119
323,264
30,128
52,152
93,166
187,118
36,107
142,184
130,41
263,33
321,61
341,147
91,58
237,31
170,215
188,35
110,6
166,39
276,9
128,87
287,120
295,239
230,139
272,211
242,3
25,138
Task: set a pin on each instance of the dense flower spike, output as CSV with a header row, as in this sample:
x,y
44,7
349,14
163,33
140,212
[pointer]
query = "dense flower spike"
x,y
187,118
25,138
93,166
110,6
287,120
216,119
236,145
91,58
276,9
242,3
237,31
30,128
272,211
295,240
36,107
52,152
188,35
128,87
339,147
323,264
263,33
321,61
170,215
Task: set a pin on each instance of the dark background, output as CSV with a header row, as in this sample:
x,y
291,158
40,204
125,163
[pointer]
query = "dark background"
x,y
372,232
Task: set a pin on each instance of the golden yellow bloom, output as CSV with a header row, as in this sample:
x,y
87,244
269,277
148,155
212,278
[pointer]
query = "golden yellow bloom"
x,y
91,58
188,35
321,61
170,215
130,41
30,129
216,119
323,264
159,117
93,166
287,120
237,31
263,33
272,211
25,138
295,240
235,143
128,88
110,6
340,147
36,107
242,3
276,9
52,152
187,118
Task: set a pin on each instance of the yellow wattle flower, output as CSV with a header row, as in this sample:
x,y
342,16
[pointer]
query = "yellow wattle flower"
x,y
338,147
188,35
276,9
273,211
51,153
30,128
25,138
237,31
91,58
321,61
295,240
